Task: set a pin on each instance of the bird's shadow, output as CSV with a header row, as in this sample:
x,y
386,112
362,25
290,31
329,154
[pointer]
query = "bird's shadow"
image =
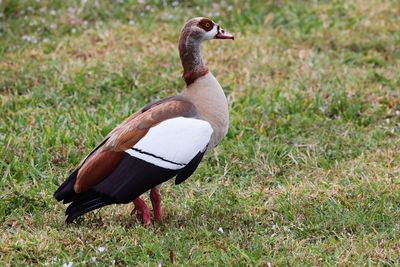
x,y
113,216
110,217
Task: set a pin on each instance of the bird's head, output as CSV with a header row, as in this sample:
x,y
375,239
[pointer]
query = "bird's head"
x,y
193,34
201,29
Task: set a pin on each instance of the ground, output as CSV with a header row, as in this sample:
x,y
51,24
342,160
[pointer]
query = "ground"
x,y
309,173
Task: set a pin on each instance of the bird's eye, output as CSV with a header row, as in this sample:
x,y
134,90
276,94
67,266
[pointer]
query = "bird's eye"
x,y
205,24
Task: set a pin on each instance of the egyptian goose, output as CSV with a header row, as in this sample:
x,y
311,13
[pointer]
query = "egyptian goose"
x,y
165,139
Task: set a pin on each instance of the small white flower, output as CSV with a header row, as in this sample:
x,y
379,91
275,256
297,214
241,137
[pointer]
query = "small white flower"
x,y
113,262
73,30
26,38
101,249
71,10
26,18
53,12
131,22
85,24
46,40
94,259
175,3
53,26
1,14
221,230
69,264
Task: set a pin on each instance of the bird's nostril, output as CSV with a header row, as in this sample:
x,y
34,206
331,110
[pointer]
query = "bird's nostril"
x,y
222,31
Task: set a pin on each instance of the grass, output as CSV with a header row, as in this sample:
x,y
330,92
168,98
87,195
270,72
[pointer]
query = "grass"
x,y
309,173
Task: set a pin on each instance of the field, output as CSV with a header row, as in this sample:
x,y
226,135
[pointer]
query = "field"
x,y
309,173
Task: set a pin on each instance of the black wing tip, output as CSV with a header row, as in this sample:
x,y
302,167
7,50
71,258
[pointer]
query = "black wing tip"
x,y
66,189
60,194
56,196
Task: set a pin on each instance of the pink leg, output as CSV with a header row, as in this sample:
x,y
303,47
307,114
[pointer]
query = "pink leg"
x,y
155,198
142,211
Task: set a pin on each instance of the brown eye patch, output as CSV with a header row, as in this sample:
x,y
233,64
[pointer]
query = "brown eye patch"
x,y
206,24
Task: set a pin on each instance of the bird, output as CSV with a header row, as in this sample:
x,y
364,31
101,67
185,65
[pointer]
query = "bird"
x,y
163,140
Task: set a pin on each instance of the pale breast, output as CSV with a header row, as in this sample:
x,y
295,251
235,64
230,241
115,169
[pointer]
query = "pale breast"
x,y
211,103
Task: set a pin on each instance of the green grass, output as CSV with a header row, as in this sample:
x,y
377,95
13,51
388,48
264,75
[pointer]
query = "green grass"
x,y
309,173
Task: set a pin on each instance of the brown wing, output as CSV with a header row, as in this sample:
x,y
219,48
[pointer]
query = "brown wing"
x,y
106,158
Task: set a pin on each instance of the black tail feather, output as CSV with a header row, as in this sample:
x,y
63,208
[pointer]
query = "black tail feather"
x,y
81,202
85,202
100,203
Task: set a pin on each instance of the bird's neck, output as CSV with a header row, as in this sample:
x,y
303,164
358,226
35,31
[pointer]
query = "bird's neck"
x,y
192,62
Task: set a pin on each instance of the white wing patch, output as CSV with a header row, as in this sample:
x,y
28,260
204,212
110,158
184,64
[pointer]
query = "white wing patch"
x,y
173,143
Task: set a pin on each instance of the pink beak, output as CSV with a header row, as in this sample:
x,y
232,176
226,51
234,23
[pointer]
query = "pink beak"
x,y
223,34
